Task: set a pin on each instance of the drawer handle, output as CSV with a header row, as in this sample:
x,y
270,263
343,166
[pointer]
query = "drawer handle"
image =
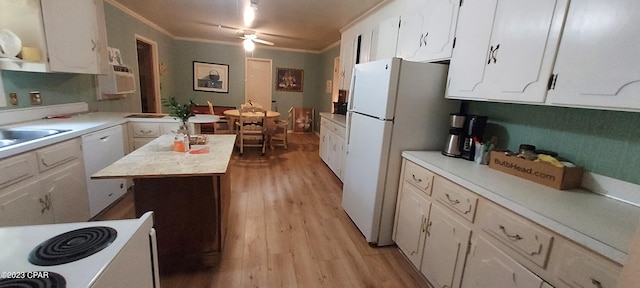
x,y
517,237
146,131
596,283
456,202
512,237
13,179
53,164
452,201
415,179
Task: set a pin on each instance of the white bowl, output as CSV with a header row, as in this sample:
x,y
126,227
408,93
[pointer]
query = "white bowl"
x,y
10,43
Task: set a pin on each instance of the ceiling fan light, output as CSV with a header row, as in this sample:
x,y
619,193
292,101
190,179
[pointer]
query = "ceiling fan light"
x,y
249,15
248,45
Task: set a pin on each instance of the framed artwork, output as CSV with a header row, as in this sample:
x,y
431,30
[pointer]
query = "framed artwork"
x,y
289,79
210,77
303,119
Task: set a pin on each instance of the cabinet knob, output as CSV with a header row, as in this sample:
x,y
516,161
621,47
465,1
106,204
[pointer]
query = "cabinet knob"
x,y
492,54
423,39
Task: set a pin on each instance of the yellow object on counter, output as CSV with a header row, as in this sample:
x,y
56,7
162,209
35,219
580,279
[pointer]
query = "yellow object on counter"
x,y
549,159
31,54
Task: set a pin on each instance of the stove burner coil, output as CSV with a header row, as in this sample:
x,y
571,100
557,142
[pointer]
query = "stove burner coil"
x,y
72,246
49,280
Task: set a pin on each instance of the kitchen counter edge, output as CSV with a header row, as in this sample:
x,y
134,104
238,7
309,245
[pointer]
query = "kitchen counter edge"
x,y
79,125
510,192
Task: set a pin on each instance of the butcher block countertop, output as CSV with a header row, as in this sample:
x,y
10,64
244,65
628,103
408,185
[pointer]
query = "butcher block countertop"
x,y
157,159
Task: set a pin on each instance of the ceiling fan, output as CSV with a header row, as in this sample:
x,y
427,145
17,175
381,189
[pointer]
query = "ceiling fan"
x,y
253,38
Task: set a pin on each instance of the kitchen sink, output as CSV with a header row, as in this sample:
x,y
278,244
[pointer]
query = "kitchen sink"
x,y
10,137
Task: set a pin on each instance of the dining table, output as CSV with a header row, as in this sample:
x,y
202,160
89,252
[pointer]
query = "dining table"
x,y
234,115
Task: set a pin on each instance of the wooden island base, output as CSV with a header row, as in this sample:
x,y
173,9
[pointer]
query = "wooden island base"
x,y
190,216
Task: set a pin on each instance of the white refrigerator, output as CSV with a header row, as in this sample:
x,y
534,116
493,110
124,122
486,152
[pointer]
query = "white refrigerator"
x,y
394,106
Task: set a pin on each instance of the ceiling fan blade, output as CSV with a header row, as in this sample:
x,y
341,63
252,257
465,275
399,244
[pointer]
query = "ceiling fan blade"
x,y
265,42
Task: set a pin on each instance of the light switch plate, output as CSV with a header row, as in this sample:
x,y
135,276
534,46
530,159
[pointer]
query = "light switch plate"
x,y
13,98
36,98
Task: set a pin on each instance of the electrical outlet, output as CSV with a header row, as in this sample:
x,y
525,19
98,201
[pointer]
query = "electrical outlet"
x,y
13,98
36,98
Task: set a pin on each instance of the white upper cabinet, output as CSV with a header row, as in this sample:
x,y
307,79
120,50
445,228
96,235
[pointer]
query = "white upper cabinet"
x,y
385,38
73,36
598,63
70,35
427,30
505,50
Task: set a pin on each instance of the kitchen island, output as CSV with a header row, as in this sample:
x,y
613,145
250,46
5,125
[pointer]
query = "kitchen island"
x,y
188,192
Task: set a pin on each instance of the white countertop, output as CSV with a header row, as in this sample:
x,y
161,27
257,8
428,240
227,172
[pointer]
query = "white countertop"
x,y
337,118
78,124
600,223
157,159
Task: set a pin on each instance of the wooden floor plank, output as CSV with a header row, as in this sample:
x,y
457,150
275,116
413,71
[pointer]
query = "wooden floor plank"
x,y
287,228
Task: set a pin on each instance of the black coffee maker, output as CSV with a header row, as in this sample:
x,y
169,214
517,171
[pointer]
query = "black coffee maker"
x,y
473,130
340,107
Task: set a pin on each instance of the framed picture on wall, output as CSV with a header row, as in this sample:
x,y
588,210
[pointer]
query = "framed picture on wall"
x,y
289,79
210,77
303,119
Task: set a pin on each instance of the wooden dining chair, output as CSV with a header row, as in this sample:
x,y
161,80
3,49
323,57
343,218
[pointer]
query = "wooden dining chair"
x,y
250,104
279,135
221,126
251,129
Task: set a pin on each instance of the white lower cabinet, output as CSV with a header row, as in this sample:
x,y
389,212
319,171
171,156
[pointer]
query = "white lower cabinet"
x,y
68,195
488,267
410,228
445,249
25,203
58,194
332,145
579,268
141,133
493,248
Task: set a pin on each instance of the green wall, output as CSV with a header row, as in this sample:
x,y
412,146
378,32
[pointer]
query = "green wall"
x,y
604,142
177,56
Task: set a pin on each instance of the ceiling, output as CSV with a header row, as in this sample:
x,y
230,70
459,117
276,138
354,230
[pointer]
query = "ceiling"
x,y
310,25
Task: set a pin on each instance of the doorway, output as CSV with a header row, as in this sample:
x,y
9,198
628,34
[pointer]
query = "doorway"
x,y
148,75
258,81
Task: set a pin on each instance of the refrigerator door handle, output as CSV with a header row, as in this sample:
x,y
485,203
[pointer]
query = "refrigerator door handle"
x,y
352,87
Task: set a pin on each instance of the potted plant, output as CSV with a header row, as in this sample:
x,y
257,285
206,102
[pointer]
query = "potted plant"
x,y
181,111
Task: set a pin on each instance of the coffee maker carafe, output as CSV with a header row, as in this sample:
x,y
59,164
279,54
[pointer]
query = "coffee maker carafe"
x,y
454,140
473,131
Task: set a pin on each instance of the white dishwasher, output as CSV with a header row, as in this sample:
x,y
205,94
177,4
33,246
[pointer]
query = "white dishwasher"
x,y
100,149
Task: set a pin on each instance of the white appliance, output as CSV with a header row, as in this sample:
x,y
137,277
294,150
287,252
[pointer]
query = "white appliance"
x,y
394,105
99,150
117,83
119,253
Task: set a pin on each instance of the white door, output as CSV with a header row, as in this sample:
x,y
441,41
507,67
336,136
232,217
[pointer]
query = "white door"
x,y
67,189
411,222
598,59
505,49
428,29
525,40
386,39
365,172
445,249
71,31
258,82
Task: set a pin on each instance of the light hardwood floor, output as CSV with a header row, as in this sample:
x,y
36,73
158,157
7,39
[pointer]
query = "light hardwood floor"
x,y
287,229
